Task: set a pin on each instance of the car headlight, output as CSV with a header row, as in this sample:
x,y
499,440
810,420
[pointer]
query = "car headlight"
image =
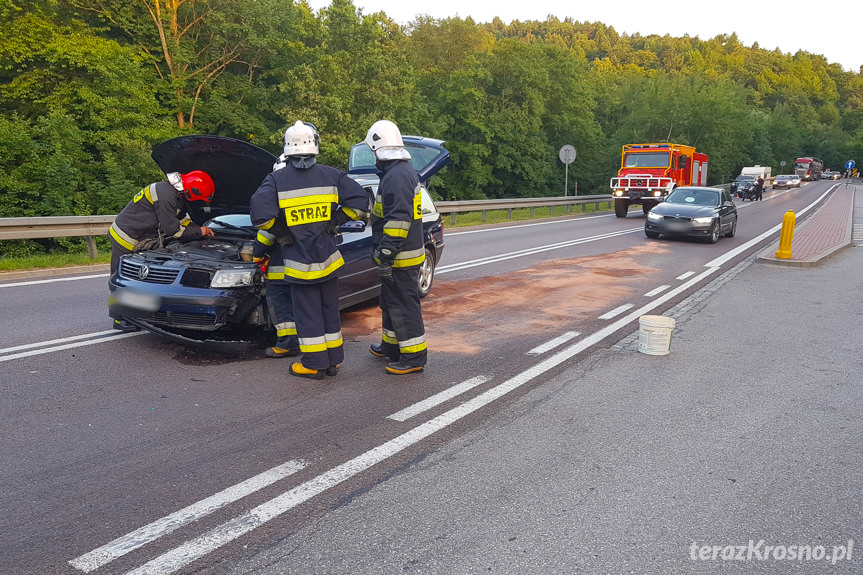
x,y
654,217
232,278
702,221
618,192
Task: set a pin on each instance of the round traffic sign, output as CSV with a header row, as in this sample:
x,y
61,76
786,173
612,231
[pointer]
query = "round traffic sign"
x,y
567,154
849,165
782,163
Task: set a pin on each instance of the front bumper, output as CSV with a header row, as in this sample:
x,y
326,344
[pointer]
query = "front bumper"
x,y
678,228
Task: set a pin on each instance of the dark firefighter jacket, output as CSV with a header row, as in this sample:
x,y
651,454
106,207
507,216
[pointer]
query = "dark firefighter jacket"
x,y
157,208
304,202
397,217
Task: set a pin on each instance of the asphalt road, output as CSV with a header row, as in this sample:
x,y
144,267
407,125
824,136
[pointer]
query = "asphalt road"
x,y
119,448
746,435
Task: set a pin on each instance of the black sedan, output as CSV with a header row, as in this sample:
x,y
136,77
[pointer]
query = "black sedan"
x,y
705,213
208,293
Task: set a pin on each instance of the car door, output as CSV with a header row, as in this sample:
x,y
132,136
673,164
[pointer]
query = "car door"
x,y
727,211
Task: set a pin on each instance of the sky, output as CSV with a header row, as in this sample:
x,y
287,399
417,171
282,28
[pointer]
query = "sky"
x,y
832,28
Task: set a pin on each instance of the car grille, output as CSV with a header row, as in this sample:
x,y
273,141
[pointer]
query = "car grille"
x,y
186,320
147,273
677,219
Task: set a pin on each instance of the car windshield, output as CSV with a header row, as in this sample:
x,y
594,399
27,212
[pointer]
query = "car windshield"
x,y
745,178
646,160
694,197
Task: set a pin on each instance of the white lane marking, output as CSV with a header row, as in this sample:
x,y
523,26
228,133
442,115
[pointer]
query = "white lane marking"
x,y
656,291
616,311
72,345
56,341
531,251
508,227
684,276
148,533
438,398
549,345
743,247
196,548
34,282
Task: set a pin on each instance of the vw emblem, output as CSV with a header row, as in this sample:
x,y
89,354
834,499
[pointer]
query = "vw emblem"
x,y
143,272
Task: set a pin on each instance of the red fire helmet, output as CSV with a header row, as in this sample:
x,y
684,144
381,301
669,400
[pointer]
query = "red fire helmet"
x,y
198,185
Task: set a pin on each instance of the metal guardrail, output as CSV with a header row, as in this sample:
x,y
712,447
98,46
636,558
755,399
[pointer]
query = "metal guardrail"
x,y
92,226
57,227
485,206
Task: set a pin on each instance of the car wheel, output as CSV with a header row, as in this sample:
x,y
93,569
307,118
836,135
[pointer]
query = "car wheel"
x,y
733,229
651,235
714,233
621,208
426,275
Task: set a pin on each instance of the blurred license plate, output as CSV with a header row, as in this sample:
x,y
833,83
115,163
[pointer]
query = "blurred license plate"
x,y
138,300
677,226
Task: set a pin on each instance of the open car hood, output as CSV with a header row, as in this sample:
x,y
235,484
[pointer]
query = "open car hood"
x,y
237,169
428,157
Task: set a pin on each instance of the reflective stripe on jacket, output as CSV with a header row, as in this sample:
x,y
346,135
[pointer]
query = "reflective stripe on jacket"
x,y
397,214
303,200
156,208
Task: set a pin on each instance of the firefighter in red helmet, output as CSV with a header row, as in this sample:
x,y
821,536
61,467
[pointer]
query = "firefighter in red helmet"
x,y
157,212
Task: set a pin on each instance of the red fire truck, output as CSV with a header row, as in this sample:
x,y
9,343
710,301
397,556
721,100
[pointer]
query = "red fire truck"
x,y
649,172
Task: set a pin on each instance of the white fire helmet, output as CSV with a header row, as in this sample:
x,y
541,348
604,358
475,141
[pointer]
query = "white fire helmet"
x,y
302,139
385,140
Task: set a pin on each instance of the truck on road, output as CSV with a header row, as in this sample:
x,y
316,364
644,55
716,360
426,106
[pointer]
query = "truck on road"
x,y
649,172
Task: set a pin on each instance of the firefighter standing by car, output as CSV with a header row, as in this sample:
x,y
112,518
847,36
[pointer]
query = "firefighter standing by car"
x,y
399,251
159,211
301,205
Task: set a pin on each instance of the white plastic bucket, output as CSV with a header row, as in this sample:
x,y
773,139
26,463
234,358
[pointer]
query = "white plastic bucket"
x,y
654,334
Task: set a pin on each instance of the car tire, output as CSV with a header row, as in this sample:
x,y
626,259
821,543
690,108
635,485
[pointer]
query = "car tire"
x,y
714,233
621,208
733,229
426,274
651,235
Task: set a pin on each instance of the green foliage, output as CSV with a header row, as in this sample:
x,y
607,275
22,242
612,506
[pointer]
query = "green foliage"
x,y
89,87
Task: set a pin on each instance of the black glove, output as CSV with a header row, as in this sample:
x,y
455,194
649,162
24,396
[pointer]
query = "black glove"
x,y
385,257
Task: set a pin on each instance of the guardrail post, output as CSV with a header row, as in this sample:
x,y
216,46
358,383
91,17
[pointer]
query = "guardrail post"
x,y
551,211
484,214
452,218
91,248
509,214
532,211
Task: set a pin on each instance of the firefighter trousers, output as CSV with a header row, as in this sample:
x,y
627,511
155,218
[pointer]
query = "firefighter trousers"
x,y
282,311
403,335
319,326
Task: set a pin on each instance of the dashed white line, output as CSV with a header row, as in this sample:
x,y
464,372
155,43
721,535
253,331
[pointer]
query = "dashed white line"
x,y
140,537
616,311
438,398
549,345
656,291
684,276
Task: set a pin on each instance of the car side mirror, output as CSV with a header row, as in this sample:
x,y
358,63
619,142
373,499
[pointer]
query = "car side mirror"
x,y
352,227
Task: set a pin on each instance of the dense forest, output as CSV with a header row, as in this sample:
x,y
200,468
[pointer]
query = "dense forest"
x,y
89,87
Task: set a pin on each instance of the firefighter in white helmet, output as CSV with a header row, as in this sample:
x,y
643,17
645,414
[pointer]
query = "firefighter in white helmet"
x,y
399,251
301,205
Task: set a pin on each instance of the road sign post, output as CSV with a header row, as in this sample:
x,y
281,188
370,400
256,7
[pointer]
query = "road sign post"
x,y
567,156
